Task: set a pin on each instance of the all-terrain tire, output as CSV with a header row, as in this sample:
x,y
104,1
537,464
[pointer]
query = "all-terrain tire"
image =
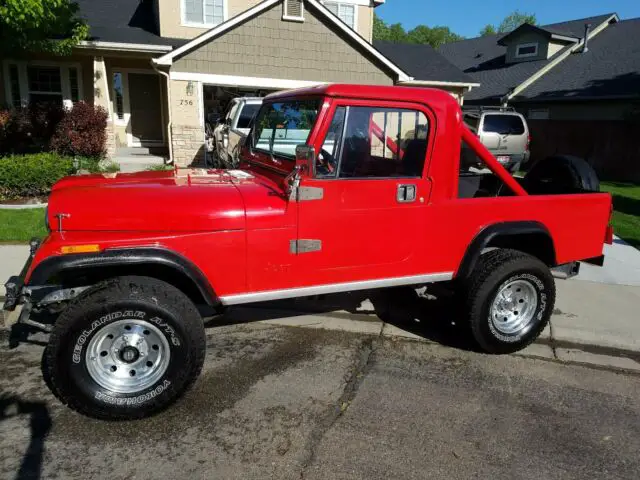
x,y
561,174
162,320
496,272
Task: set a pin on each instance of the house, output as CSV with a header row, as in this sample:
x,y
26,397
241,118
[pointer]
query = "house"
x,y
577,82
161,66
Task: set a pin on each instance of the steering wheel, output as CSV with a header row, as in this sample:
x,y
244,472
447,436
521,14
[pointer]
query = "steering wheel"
x,y
326,162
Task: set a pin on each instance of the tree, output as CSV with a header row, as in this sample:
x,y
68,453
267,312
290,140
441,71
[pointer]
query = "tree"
x,y
422,34
50,26
488,30
514,20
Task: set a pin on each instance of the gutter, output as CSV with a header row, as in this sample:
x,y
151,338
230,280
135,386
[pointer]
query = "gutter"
x,y
515,91
124,47
169,123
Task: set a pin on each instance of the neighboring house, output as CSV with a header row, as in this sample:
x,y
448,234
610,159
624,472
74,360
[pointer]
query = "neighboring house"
x,y
160,66
577,100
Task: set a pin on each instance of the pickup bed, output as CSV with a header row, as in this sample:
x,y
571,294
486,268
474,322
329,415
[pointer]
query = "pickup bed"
x,y
339,188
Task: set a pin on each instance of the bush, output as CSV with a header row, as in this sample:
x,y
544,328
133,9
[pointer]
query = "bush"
x,y
81,132
28,130
32,175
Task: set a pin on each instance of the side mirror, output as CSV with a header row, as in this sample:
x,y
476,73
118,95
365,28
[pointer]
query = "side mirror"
x,y
306,155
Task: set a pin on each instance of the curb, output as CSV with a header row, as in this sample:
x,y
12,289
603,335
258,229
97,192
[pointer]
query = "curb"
x,y
27,206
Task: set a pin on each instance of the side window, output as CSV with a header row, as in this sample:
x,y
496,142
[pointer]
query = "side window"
x,y
369,142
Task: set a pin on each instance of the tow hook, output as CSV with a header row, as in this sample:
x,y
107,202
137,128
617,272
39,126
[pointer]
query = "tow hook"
x,y
25,314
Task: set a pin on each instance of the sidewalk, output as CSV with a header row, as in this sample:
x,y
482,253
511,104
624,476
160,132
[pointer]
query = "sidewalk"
x,y
596,319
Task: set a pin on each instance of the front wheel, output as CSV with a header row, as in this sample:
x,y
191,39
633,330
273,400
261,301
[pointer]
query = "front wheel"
x,y
509,300
127,349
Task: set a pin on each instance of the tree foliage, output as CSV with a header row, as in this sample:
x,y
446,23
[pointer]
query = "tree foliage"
x,y
510,23
422,34
50,26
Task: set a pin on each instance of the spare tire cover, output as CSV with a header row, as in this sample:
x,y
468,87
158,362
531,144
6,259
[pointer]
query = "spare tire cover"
x,y
561,174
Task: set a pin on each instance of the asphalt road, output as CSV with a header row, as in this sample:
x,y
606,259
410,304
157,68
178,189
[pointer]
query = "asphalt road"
x,y
277,402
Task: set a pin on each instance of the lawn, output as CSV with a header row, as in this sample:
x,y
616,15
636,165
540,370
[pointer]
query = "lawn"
x,y
626,206
19,226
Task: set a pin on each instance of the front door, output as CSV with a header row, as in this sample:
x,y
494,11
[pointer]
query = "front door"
x,y
145,102
362,212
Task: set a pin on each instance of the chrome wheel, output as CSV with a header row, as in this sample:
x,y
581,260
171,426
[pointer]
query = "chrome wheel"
x,y
127,356
514,307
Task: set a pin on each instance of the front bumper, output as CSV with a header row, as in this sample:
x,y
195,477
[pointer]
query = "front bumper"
x,y
16,293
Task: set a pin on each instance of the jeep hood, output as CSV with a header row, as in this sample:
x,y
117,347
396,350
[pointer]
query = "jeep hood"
x,y
192,200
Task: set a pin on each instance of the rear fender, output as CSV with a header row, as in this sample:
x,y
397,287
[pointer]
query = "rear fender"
x,y
529,237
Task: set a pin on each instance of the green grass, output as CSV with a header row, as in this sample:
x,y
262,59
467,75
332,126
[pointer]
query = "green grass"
x,y
20,226
626,210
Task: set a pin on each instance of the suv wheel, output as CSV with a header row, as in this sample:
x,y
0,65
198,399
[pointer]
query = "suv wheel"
x,y
510,298
127,349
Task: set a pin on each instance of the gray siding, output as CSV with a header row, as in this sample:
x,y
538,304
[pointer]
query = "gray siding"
x,y
529,37
268,47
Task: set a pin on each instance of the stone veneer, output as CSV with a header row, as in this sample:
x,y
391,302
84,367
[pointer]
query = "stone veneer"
x,y
110,145
188,145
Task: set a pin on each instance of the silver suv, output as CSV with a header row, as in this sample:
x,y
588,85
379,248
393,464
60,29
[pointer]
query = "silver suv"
x,y
503,131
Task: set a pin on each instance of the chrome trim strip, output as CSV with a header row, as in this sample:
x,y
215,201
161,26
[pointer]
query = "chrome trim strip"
x,y
334,288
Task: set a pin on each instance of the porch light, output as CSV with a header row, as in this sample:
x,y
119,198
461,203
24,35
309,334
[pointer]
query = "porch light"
x,y
190,88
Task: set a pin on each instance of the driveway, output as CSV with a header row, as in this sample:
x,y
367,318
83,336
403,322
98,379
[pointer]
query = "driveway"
x,y
291,403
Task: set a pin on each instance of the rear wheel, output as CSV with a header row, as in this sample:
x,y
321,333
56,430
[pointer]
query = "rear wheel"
x,y
127,349
509,300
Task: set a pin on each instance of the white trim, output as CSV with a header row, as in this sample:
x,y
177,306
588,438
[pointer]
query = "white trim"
x,y
526,45
239,81
292,18
129,47
223,27
564,38
185,23
334,288
437,83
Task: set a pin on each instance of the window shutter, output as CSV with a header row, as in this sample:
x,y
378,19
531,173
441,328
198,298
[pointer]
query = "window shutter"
x,y
293,9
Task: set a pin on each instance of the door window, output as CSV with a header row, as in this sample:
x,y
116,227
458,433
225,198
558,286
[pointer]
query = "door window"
x,y
371,142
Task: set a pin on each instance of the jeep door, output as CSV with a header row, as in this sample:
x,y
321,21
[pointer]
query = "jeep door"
x,y
361,209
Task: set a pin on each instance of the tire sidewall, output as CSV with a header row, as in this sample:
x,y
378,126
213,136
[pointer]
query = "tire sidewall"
x,y
545,291
71,358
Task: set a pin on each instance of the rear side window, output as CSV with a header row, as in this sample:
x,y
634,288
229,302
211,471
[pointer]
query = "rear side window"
x,y
503,124
247,114
370,142
472,121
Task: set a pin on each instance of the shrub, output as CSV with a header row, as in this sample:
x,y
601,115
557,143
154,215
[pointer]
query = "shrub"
x,y
81,132
29,129
32,175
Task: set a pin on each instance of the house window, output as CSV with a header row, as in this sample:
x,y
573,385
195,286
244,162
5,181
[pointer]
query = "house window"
x,y
203,12
118,96
344,11
45,84
14,83
74,84
526,50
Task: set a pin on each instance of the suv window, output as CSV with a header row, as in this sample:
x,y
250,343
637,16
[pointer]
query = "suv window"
x,y
369,142
503,124
246,115
471,120
281,126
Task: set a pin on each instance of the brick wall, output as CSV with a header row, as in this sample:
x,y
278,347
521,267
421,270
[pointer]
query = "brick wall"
x,y
188,145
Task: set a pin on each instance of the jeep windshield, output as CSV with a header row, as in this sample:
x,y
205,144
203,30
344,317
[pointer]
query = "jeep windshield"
x,y
281,126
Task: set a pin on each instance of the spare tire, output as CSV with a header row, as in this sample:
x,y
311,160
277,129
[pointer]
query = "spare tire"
x,y
561,174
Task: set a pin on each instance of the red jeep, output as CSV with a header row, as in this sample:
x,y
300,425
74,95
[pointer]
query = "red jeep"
x,y
340,188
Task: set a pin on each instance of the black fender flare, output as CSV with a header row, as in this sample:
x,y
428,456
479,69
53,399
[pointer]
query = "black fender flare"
x,y
124,257
504,229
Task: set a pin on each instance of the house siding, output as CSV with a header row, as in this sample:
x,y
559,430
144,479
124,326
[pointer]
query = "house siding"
x,y
529,37
365,22
269,47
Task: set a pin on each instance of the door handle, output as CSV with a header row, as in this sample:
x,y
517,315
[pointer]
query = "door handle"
x,y
406,193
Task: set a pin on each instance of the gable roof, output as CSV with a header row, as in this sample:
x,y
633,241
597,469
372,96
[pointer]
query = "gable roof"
x,y
423,63
485,60
221,29
548,32
123,21
610,68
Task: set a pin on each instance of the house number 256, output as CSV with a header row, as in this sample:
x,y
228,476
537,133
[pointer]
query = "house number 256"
x,y
186,102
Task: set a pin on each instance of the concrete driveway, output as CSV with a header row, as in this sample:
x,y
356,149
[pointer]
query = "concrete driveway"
x,y
292,403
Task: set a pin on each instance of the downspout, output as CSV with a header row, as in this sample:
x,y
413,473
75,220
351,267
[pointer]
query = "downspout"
x,y
169,138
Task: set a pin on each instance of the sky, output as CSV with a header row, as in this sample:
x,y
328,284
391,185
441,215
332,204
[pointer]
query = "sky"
x,y
467,17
